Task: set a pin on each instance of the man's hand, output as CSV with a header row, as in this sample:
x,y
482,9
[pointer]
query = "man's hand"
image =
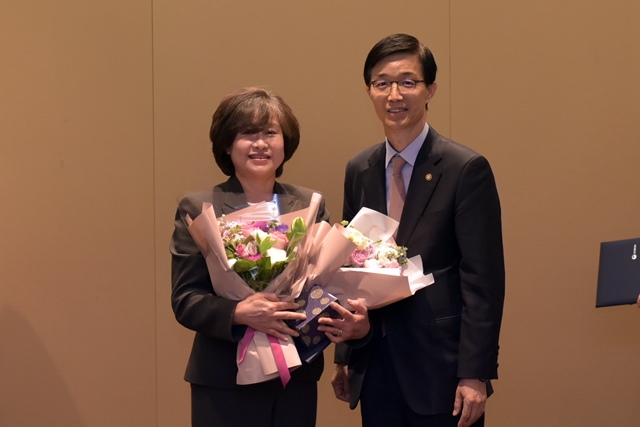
x,y
340,382
351,326
471,397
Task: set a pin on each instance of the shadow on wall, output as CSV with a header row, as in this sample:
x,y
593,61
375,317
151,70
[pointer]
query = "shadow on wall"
x,y
32,391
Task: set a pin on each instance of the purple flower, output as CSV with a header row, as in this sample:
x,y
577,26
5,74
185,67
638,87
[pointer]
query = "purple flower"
x,y
262,225
282,228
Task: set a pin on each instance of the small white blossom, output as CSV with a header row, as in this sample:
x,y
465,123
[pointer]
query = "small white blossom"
x,y
276,255
259,233
371,263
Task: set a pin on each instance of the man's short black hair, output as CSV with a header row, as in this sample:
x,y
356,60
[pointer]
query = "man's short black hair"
x,y
401,43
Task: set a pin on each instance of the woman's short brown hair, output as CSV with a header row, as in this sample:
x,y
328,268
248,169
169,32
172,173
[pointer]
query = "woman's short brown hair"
x,y
249,110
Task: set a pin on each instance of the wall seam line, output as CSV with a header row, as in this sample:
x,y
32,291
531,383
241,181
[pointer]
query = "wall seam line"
x,y
450,78
155,228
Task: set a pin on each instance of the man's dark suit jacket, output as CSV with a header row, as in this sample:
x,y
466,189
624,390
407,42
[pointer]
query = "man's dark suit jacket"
x,y
195,304
451,218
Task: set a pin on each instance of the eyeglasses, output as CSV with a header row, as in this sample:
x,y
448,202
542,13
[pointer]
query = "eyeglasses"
x,y
404,86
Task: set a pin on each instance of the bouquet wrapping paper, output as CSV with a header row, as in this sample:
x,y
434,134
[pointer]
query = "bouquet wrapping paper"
x,y
259,357
377,286
330,249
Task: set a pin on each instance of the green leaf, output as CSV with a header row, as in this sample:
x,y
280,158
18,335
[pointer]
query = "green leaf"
x,y
298,230
264,263
243,265
256,285
265,245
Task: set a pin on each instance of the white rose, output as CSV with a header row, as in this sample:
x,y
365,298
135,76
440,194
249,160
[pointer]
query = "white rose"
x,y
371,263
276,255
259,233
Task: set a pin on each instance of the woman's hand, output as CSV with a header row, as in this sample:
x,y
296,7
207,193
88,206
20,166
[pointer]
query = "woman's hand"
x,y
351,326
265,312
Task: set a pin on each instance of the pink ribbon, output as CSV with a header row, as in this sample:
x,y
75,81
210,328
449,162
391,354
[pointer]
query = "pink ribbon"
x,y
276,349
281,363
244,344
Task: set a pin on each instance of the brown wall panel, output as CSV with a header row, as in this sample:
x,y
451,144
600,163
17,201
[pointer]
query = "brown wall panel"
x,y
104,116
311,54
77,303
549,92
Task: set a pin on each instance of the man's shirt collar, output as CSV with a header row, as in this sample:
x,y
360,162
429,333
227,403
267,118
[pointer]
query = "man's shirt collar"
x,y
410,153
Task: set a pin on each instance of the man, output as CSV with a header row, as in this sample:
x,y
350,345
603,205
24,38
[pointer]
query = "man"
x,y
426,360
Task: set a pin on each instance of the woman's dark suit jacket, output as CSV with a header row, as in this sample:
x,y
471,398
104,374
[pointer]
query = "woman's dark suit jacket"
x,y
195,304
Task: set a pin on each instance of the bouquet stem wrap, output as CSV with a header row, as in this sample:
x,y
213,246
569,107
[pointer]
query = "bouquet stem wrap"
x,y
277,362
260,357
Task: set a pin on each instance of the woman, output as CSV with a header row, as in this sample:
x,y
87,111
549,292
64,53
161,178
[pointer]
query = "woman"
x,y
253,134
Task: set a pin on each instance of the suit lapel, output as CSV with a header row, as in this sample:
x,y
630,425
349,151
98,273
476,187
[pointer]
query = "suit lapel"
x,y
424,179
232,202
232,197
373,178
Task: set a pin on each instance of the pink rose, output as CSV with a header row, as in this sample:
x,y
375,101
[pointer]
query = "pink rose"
x,y
247,229
280,239
392,264
358,257
248,251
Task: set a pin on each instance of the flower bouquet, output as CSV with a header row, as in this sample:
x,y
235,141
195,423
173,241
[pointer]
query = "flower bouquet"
x,y
260,250
249,251
372,266
352,261
374,253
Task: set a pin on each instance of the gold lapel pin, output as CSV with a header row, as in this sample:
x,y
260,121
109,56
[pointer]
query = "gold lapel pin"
x,y
428,177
